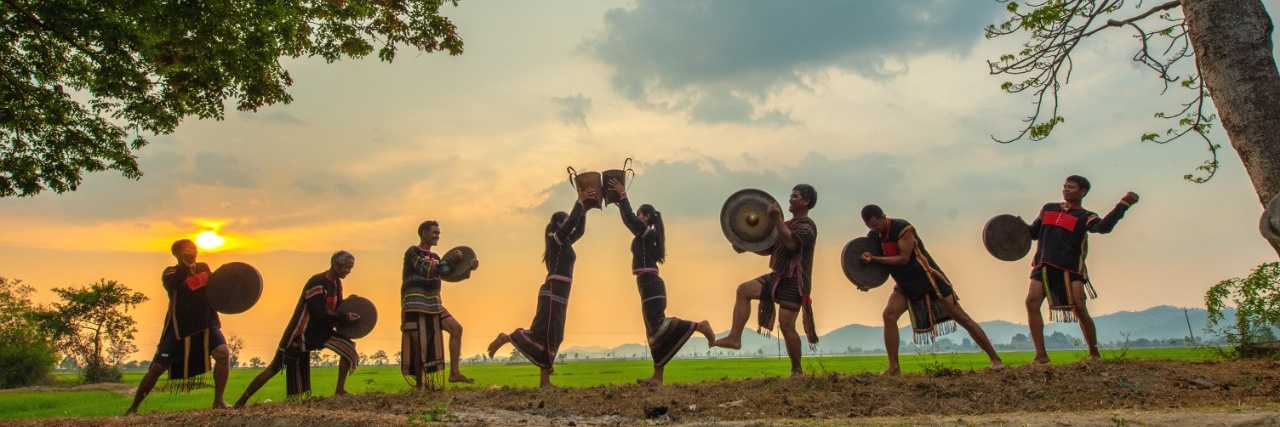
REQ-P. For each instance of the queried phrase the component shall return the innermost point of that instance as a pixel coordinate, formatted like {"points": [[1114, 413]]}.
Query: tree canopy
{"points": [[84, 83]]}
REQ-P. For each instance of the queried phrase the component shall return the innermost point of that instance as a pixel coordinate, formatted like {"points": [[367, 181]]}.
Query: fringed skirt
{"points": [[541, 341], [929, 319], [188, 358], [666, 334], [297, 365], [422, 352], [1057, 287]]}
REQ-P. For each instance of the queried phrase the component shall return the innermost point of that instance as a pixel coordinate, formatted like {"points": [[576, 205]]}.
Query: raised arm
{"points": [[570, 230], [629, 218], [1108, 223]]}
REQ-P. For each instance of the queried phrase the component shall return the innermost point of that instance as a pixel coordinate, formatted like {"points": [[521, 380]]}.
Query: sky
{"points": [[888, 103]]}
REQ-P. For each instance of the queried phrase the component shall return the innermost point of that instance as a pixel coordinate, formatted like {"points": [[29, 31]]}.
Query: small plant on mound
{"points": [[1257, 301], [439, 413]]}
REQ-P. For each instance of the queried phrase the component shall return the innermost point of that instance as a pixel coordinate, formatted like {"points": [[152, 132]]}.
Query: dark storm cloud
{"points": [[719, 59]]}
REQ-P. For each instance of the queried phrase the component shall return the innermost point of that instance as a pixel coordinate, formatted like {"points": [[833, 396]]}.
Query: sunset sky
{"points": [[886, 102]]}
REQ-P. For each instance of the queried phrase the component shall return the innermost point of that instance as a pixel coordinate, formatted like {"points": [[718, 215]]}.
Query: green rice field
{"points": [[58, 402]]}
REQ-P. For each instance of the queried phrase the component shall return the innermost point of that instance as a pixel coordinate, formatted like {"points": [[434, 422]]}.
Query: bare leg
{"points": [[344, 368], [655, 380], [704, 327], [787, 322], [545, 378], [454, 328], [979, 336], [747, 291], [256, 384], [144, 387], [892, 312], [501, 340], [221, 369], [1086, 321], [1035, 321]]}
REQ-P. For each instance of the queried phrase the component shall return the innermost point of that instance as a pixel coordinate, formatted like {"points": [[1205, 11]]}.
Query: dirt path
{"points": [[1111, 393]]}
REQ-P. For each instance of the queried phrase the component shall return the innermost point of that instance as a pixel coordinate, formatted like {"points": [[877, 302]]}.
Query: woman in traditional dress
{"points": [[648, 249], [541, 341]]}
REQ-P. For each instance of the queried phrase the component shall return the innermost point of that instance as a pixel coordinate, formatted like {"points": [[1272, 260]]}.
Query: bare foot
{"points": [[797, 374], [239, 405], [996, 365], [501, 340], [651, 382], [893, 370], [705, 328], [729, 342], [341, 393], [131, 412], [1040, 361], [459, 378], [547, 385], [221, 405]]}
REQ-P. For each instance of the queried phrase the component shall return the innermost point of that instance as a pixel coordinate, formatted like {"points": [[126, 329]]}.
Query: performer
{"points": [[312, 329], [922, 289], [648, 249], [192, 331], [1058, 269], [424, 317], [788, 283], [542, 340]]}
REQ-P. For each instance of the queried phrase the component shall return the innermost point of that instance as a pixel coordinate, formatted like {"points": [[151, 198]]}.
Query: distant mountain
{"points": [[1160, 323]]}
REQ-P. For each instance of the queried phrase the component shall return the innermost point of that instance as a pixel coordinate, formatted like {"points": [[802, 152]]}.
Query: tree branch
{"points": [[1114, 23]]}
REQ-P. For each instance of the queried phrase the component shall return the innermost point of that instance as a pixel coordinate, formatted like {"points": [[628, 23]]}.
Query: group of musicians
{"points": [[191, 335]]}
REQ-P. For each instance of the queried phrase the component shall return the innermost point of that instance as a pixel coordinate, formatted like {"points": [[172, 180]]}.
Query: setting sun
{"points": [[209, 240]]}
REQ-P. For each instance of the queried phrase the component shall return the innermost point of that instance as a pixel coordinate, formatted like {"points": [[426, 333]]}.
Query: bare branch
{"points": [[1113, 23]]}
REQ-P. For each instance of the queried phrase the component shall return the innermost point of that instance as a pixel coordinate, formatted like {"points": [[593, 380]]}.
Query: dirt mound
{"points": [[1086, 393]]}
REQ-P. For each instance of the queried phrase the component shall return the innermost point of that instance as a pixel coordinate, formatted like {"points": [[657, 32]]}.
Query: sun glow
{"points": [[209, 240]]}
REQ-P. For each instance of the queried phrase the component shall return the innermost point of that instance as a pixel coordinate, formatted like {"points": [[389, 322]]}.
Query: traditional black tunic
{"points": [[191, 326], [666, 334], [541, 341], [1063, 244], [920, 280], [790, 281], [422, 310], [311, 328]]}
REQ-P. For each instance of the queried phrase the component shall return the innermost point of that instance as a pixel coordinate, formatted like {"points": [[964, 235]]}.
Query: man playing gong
{"points": [[192, 331], [921, 288], [424, 318], [1058, 269], [788, 284], [312, 328]]}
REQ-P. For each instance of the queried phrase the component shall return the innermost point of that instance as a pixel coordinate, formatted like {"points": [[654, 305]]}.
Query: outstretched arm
{"points": [[1108, 223]]}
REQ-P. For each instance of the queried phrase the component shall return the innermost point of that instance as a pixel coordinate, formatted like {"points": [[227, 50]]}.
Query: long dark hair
{"points": [[552, 226], [655, 220]]}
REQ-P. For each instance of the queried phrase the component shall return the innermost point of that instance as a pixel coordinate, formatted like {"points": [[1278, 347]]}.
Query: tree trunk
{"points": [[1232, 43]]}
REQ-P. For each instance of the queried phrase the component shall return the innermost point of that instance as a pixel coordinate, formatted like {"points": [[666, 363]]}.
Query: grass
{"points": [[57, 403]]}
